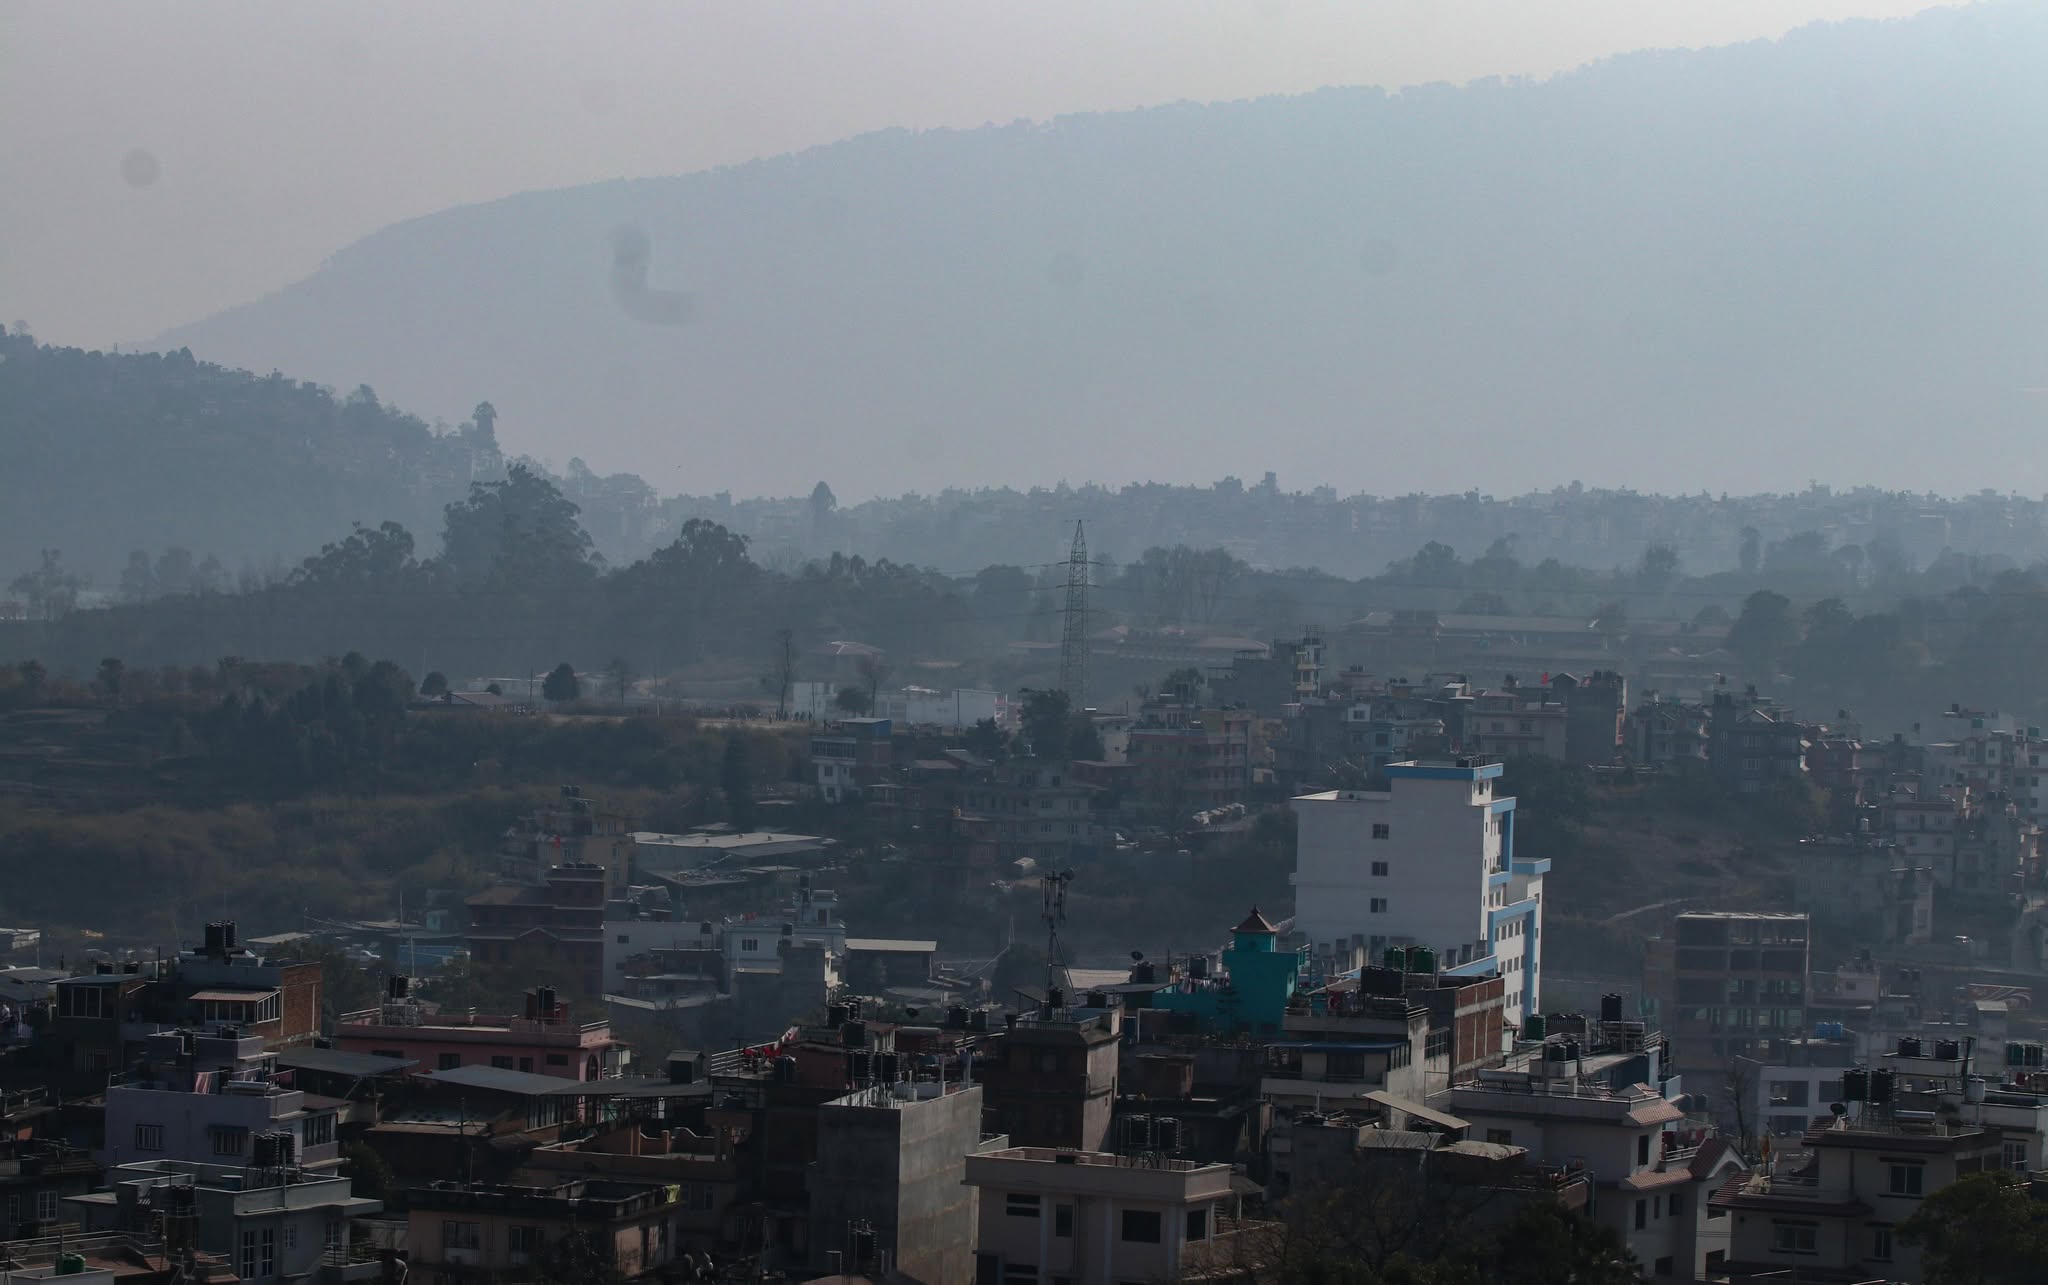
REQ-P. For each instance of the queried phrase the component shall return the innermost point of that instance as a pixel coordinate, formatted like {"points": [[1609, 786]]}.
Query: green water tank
{"points": [[70, 1264], [1422, 960], [1396, 958], [1535, 1028]]}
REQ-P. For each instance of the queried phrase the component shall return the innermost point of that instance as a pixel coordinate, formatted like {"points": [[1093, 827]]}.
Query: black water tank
{"points": [[1856, 1085], [1948, 1050], [1166, 1134], [785, 1070], [835, 1015], [1880, 1087], [1610, 1007], [956, 1018], [888, 1068], [977, 1020], [858, 1066], [1909, 1046], [854, 1034], [1198, 967]]}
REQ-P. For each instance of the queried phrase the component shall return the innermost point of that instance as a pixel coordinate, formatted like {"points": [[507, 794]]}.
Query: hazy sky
{"points": [[159, 162]]}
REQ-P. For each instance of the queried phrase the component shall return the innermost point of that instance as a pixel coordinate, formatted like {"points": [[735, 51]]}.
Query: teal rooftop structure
{"points": [[1257, 979]]}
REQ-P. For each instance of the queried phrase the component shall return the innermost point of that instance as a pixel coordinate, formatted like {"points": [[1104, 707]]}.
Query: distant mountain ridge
{"points": [[1811, 257]]}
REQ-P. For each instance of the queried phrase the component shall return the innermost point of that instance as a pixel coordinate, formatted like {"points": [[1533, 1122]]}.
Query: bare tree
{"points": [[781, 675]]}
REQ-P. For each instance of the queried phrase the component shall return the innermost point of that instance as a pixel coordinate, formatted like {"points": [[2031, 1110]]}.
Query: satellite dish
{"points": [[910, 1013], [1137, 954], [1838, 1108]]}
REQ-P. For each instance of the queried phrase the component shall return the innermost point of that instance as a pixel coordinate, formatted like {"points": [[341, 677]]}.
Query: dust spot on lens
{"points": [[1065, 270], [140, 168], [1379, 256], [632, 255]]}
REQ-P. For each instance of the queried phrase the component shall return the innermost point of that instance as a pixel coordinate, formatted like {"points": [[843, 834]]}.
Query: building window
{"points": [[1643, 1149], [46, 1206], [750, 945], [247, 1267], [291, 1238], [526, 1065], [150, 1137], [1501, 1137], [1906, 1180], [1381, 830], [449, 1061], [1379, 869], [1063, 1220], [228, 1141], [1020, 1205], [2013, 1154], [1379, 905], [1198, 1224], [1788, 1093], [1881, 1244], [501, 1061], [558, 1059], [456, 1235], [1141, 1226], [1792, 1238], [387, 1053], [625, 939], [1642, 1214], [1674, 1203]]}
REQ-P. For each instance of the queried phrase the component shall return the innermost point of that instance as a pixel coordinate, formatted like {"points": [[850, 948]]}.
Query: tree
{"points": [[1044, 718], [854, 700], [1658, 568], [138, 579], [822, 504], [434, 685], [370, 1178], [1982, 1229], [109, 676], [521, 533], [50, 592], [781, 675], [874, 671], [985, 739], [561, 684], [1765, 632], [736, 782], [619, 676], [1750, 555]]}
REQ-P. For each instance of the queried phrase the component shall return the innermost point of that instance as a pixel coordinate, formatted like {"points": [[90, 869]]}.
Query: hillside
{"points": [[110, 453], [1821, 253]]}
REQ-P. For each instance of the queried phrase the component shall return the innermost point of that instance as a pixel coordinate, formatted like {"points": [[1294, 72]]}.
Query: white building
{"points": [[1428, 861], [960, 707]]}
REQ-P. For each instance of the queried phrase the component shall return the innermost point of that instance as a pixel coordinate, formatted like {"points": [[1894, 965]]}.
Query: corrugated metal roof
{"points": [[342, 1062]]}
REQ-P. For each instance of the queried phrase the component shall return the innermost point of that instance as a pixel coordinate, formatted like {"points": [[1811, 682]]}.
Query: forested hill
{"points": [[107, 454], [1816, 257]]}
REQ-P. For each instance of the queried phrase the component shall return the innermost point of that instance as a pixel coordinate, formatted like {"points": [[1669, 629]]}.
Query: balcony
{"points": [[358, 1260]]}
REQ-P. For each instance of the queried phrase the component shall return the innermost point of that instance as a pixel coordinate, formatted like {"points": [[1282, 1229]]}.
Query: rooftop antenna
{"points": [[1053, 892], [1074, 636]]}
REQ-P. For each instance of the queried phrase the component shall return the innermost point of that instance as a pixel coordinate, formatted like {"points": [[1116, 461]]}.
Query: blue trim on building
{"points": [[1498, 877], [1443, 772], [1540, 866], [1504, 805]]}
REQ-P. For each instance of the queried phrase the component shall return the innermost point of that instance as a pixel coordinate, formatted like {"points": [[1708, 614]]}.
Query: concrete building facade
{"points": [[1428, 861]]}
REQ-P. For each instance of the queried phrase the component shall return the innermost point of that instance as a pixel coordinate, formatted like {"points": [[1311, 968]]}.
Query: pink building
{"points": [[542, 1041]]}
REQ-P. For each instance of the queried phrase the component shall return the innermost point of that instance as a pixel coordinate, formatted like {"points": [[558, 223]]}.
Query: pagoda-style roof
{"points": [[1256, 923]]}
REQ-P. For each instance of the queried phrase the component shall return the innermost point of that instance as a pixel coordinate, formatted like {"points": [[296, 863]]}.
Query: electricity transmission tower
{"points": [[1074, 638]]}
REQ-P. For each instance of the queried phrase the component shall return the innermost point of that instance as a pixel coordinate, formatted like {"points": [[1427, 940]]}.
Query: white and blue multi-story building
{"points": [[1429, 861]]}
